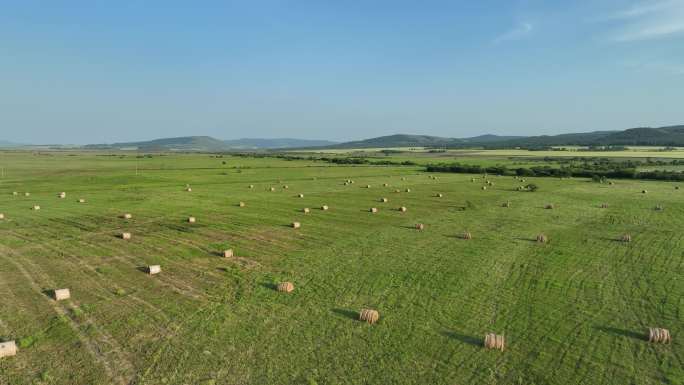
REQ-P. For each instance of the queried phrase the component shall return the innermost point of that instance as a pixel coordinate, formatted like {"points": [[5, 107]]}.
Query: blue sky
{"points": [[105, 71]]}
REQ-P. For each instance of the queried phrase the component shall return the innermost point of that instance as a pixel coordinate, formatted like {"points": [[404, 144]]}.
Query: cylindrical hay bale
{"points": [[125, 235], [241, 204], [368, 186], [611, 183], [549, 206], [62, 195], [153, 269], [644, 191], [484, 187], [402, 209], [659, 336], [127, 216], [369, 315], [306, 210], [228, 253], [542, 238], [61, 294], [626, 238], [251, 186], [506, 204], [2, 216], [604, 205], [472, 179], [36, 207], [659, 208], [324, 207], [81, 200], [420, 226], [285, 287], [192, 220], [8, 349], [385, 185], [296, 225], [408, 190], [300, 195], [26, 194], [522, 180], [494, 341], [189, 189], [286, 187], [384, 200], [15, 193], [467, 235], [373, 210], [403, 178], [439, 195], [271, 189], [397, 191]]}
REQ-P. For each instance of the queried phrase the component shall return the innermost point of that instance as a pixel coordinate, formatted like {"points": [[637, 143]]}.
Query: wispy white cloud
{"points": [[516, 33], [647, 20]]}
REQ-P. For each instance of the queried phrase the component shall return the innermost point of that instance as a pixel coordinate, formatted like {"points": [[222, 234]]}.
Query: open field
{"points": [[573, 311]]}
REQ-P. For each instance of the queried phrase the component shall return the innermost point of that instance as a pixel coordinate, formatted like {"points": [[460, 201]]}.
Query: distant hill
{"points": [[207, 143], [7, 144], [641, 136], [399, 140], [248, 143]]}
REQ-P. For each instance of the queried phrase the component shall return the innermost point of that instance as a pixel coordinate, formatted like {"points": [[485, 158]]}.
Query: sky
{"points": [[109, 71]]}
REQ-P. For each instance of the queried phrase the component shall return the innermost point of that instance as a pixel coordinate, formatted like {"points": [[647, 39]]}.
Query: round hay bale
{"points": [[369, 315], [15, 193], [604, 205], [397, 191], [324, 207], [368, 186], [189, 189], [36, 207], [285, 287], [402, 209], [61, 294], [659, 336], [420, 226], [408, 190], [549, 206], [542, 238], [439, 195], [153, 269], [241, 204], [384, 200], [484, 187], [62, 195], [271, 189], [611, 183], [2, 216], [26, 194], [494, 341], [306, 210], [467, 235], [506, 204], [81, 200], [300, 196], [403, 178], [296, 225], [125, 235], [373, 210], [385, 185], [626, 238], [522, 180], [472, 179], [228, 253], [8, 349], [286, 187], [644, 191], [659, 208], [251, 186], [192, 220], [127, 216]]}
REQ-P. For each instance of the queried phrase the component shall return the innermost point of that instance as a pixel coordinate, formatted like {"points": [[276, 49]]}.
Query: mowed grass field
{"points": [[573, 311]]}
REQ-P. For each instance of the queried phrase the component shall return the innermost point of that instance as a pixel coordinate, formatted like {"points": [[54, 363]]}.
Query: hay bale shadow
{"points": [[621, 332], [269, 285], [143, 269], [346, 313], [526, 239], [50, 293], [470, 340], [607, 239]]}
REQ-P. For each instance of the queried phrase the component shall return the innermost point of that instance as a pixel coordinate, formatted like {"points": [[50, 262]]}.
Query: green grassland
{"points": [[574, 311]]}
